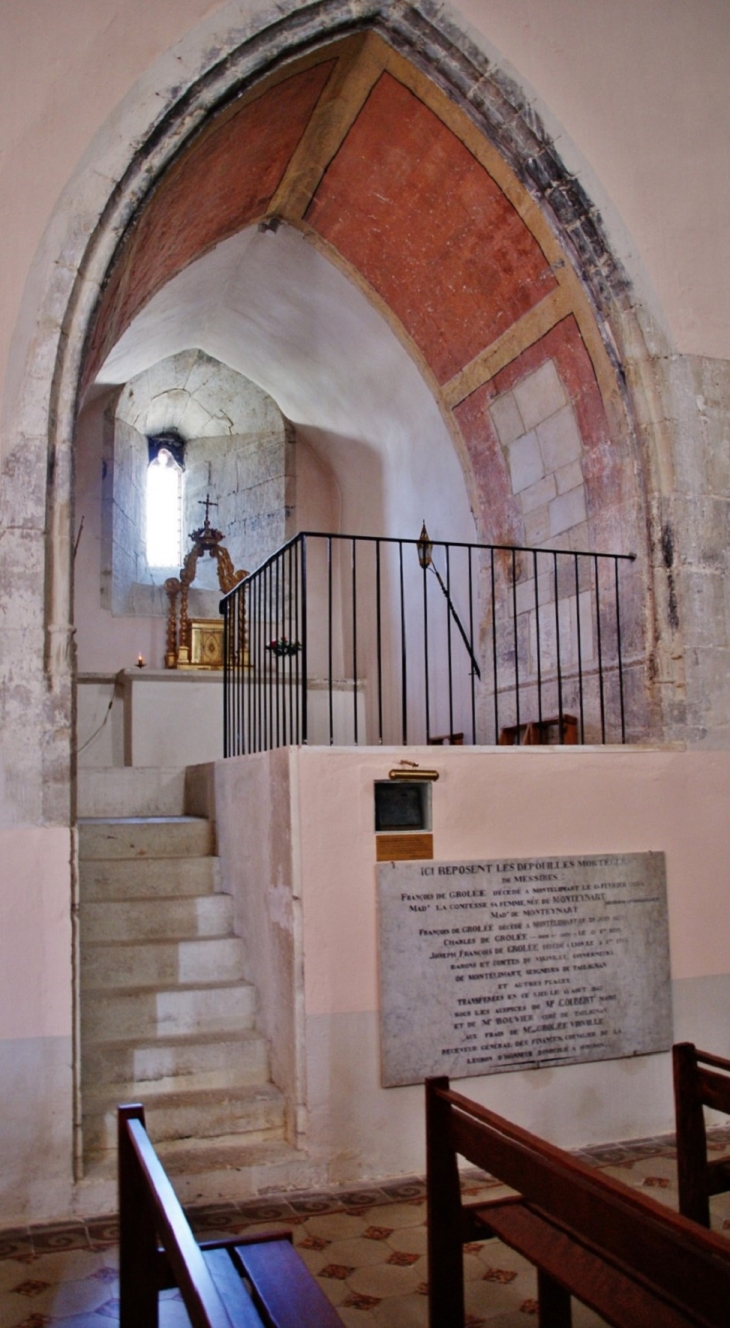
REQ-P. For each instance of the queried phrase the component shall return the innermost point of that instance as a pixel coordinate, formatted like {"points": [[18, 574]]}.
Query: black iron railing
{"points": [[340, 639]]}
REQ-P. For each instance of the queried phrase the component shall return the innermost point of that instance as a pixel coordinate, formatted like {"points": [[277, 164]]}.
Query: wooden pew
{"points": [[699, 1079], [634, 1262], [157, 1250]]}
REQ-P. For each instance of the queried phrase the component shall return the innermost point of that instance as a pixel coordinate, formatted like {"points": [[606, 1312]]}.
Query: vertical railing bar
{"points": [[329, 643], [620, 656], [305, 644], [297, 630], [260, 663], [380, 641], [403, 651], [240, 653], [272, 657], [231, 721], [230, 624], [557, 649], [537, 641], [576, 558], [275, 680], [426, 677], [265, 678], [448, 643], [264, 663], [280, 665], [292, 639], [275, 686], [471, 643], [600, 653], [226, 672], [293, 635], [517, 649], [246, 692], [243, 638], [253, 649], [354, 638], [285, 632], [230, 647], [494, 652], [274, 595]]}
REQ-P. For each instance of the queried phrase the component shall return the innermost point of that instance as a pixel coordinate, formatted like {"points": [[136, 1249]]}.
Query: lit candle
{"points": [[140, 662]]}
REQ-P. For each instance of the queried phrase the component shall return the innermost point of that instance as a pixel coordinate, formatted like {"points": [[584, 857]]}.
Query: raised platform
{"points": [[168, 719]]}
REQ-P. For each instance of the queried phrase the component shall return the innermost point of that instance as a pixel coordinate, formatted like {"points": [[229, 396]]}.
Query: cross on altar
{"points": [[207, 504]]}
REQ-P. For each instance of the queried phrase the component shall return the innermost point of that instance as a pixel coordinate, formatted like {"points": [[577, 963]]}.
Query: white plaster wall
{"points": [[637, 95], [487, 803], [104, 642], [638, 99], [251, 802], [36, 1096], [274, 309]]}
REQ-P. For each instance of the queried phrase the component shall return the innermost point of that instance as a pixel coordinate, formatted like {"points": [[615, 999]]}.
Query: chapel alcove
{"points": [[424, 328], [430, 341]]}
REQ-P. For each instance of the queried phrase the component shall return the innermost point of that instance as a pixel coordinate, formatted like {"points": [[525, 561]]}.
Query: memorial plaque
{"points": [[506, 965]]}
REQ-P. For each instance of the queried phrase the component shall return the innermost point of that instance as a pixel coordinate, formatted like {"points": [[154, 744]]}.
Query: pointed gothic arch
{"points": [[332, 73]]}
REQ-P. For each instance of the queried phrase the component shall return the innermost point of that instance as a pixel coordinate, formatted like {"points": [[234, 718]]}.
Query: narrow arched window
{"points": [[163, 540]]}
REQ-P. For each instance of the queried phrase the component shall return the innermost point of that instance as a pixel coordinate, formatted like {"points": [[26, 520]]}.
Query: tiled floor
{"points": [[366, 1247]]}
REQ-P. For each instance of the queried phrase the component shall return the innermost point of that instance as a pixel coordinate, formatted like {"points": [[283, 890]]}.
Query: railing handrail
{"points": [[436, 543]]}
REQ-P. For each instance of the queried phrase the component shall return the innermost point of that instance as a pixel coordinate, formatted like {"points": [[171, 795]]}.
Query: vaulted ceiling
{"points": [[420, 218]]}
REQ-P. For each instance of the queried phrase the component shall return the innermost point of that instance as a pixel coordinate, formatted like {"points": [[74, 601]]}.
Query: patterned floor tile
{"points": [[103, 1232], [358, 1253], [411, 1240], [269, 1210], [317, 1203], [414, 1188], [15, 1242], [337, 1226], [396, 1215], [365, 1244], [61, 1236], [363, 1198], [386, 1279]]}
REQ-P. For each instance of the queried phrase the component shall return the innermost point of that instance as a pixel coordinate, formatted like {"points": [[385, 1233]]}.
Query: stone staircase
{"points": [[166, 1015]]}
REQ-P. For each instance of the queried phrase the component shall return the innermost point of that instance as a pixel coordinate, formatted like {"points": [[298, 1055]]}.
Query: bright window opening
{"points": [[164, 510]]}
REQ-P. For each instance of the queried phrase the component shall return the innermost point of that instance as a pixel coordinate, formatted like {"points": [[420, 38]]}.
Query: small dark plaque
{"points": [[401, 805]]}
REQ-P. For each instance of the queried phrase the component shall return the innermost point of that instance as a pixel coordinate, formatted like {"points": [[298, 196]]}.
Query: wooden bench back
{"points": [[150, 1210], [700, 1079], [688, 1267]]}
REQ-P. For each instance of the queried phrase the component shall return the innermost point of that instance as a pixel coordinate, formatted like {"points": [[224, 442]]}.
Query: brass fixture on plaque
{"points": [[412, 770], [197, 643]]}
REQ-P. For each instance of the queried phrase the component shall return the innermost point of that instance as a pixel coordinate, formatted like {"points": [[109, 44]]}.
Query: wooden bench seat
{"points": [[700, 1079], [256, 1281], [630, 1259]]}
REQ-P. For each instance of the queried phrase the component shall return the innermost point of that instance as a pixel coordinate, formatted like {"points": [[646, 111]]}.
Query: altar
{"points": [[171, 718]]}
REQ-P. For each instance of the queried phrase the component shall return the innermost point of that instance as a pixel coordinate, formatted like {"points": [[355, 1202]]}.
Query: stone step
{"points": [[130, 1069], [130, 791], [146, 877], [257, 1112], [159, 963], [153, 919], [207, 1171], [221, 1008], [145, 837]]}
